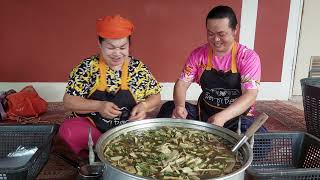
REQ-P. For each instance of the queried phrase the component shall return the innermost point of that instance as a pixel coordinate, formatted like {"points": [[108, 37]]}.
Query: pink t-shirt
{"points": [[248, 65]]}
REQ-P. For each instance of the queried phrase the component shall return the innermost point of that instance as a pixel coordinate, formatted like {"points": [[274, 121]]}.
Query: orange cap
{"points": [[114, 27]]}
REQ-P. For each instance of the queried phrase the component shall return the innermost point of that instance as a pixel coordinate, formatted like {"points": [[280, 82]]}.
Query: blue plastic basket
{"points": [[286, 156], [12, 136]]}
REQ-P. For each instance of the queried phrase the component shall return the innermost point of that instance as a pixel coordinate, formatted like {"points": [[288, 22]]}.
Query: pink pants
{"points": [[74, 132]]}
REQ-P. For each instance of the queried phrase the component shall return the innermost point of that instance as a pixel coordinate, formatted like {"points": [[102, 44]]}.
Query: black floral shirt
{"points": [[84, 79]]}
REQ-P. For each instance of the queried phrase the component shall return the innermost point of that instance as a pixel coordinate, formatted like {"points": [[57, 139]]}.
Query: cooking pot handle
{"points": [[251, 140], [239, 125], [260, 120]]}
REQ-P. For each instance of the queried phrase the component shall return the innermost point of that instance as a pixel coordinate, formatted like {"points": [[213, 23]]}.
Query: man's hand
{"points": [[216, 120], [109, 110], [179, 112], [139, 112], [245, 101]]}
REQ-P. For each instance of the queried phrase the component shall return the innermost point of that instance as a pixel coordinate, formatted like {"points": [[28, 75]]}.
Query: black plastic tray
{"points": [[28, 136]]}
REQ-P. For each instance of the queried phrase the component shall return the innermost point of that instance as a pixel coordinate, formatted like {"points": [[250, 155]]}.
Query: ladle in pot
{"points": [[259, 121], [85, 172], [90, 147]]}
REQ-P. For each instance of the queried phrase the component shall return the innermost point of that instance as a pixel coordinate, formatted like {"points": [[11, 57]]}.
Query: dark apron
{"points": [[123, 98], [219, 89]]}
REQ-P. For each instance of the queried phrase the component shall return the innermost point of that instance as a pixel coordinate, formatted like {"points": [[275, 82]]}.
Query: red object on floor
{"points": [[26, 103]]}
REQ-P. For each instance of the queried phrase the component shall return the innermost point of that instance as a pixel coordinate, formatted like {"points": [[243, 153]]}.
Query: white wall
{"points": [[309, 43]]}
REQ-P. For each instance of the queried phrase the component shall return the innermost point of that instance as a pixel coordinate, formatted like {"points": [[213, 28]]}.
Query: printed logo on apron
{"points": [[220, 96]]}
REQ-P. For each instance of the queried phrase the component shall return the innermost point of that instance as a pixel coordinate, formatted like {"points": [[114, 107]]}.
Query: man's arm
{"points": [[179, 97], [244, 102]]}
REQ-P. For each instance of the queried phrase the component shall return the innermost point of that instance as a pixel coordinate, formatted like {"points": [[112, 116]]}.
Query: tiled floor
{"points": [[282, 116], [295, 101]]}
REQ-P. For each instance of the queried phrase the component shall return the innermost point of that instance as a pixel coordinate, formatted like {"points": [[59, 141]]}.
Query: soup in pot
{"points": [[172, 153]]}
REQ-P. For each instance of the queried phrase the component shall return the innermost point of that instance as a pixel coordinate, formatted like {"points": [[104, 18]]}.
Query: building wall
{"points": [[42, 40], [308, 43], [271, 31]]}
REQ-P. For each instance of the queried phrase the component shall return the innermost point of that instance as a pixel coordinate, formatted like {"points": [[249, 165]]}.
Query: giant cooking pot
{"points": [[113, 173]]}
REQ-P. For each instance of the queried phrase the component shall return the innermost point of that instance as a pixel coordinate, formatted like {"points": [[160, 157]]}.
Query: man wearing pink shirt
{"points": [[228, 73]]}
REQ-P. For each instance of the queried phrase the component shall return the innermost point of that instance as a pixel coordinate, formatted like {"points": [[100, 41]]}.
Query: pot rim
{"points": [[246, 150]]}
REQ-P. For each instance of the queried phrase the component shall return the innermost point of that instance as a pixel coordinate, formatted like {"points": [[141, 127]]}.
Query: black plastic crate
{"points": [[12, 136], [311, 104], [290, 155]]}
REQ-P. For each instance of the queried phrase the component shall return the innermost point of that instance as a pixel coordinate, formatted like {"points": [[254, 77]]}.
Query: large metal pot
{"points": [[112, 173]]}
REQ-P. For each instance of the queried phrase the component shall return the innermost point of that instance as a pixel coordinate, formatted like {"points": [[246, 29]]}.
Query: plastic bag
{"points": [[26, 103], [18, 157]]}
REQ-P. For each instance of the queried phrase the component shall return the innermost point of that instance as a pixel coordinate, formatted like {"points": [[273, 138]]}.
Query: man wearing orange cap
{"points": [[108, 89]]}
